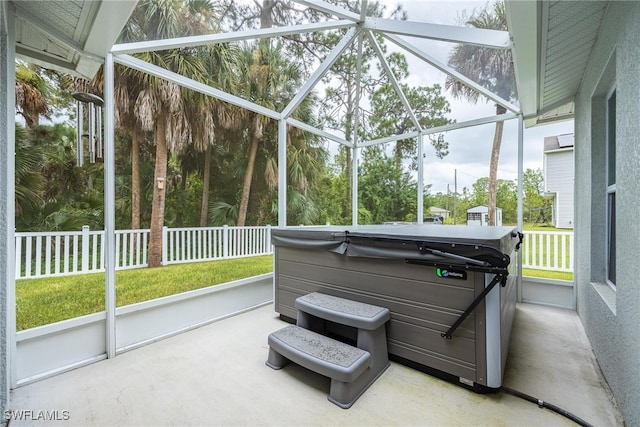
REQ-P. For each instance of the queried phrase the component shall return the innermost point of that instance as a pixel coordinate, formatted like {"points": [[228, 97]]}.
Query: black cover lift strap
{"points": [[496, 279]]}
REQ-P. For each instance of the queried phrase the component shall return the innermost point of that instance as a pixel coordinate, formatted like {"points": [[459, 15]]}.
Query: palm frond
{"points": [[146, 109], [490, 68]]}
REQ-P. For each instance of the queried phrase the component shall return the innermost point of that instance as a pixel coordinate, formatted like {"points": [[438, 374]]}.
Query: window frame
{"points": [[610, 187]]}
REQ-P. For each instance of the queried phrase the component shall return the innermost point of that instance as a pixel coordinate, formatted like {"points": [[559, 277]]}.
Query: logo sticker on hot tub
{"points": [[451, 274]]}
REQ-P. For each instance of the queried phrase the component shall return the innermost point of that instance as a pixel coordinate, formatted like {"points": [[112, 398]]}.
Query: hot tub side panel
{"points": [[422, 305], [509, 298], [500, 306]]}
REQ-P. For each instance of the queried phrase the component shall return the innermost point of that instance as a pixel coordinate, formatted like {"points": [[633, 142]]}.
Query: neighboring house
{"points": [[581, 61], [439, 212], [558, 178], [479, 215]]}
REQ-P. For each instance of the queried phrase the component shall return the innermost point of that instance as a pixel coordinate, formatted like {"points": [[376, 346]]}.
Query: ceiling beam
{"points": [[451, 72], [363, 10], [319, 132], [111, 17], [44, 60], [469, 123], [391, 138], [188, 83], [330, 9], [523, 20], [393, 81], [320, 72], [192, 41], [448, 33]]}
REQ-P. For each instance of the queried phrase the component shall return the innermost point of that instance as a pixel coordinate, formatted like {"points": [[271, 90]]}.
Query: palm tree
{"points": [[306, 159], [491, 68], [268, 80], [32, 95], [160, 106], [214, 115], [29, 180]]}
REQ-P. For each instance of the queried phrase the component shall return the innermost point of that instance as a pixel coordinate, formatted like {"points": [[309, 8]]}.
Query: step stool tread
{"points": [[345, 311], [320, 353]]}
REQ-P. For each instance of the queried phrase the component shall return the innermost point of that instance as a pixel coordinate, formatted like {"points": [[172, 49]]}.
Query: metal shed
{"points": [[479, 215]]}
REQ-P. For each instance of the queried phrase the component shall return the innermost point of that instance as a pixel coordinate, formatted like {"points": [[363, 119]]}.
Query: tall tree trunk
{"points": [[206, 177], [248, 176], [159, 189], [266, 13], [135, 180], [397, 156], [31, 120], [493, 167]]}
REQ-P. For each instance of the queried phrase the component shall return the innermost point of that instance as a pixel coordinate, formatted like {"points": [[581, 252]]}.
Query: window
{"points": [[611, 187], [474, 216]]}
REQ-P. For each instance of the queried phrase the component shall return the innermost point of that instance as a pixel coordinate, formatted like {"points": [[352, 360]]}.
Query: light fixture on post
{"points": [[94, 126]]}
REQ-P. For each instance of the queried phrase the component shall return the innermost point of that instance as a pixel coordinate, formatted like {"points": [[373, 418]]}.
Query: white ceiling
{"points": [[72, 36], [552, 42]]}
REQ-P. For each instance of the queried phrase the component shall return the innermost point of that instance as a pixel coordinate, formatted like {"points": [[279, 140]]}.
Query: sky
{"points": [[469, 148]]}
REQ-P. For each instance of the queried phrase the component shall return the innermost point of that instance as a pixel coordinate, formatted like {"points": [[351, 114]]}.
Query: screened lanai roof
{"points": [[76, 35], [359, 28], [73, 36]]}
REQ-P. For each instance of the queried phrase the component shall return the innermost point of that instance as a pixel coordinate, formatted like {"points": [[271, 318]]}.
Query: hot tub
{"points": [[451, 290]]}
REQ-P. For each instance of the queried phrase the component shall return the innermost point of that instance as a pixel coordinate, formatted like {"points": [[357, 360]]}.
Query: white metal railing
{"points": [[45, 254], [548, 250]]}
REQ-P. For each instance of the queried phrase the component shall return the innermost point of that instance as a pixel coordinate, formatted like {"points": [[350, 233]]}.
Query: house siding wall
{"points": [[559, 178], [611, 318], [7, 130]]}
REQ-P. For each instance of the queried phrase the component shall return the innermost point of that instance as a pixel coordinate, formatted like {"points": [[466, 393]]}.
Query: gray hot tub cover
{"points": [[484, 246]]}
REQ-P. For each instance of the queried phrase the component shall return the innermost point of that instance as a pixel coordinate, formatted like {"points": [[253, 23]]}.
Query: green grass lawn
{"points": [[43, 301], [527, 226], [546, 274]]}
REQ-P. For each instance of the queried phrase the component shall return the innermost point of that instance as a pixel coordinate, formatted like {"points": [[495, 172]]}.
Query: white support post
{"points": [[420, 155], [267, 240], [355, 150], [354, 186], [85, 248], [282, 173], [8, 367], [520, 199], [109, 206]]}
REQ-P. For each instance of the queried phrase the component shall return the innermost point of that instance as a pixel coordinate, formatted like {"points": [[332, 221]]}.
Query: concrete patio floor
{"points": [[215, 375]]}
